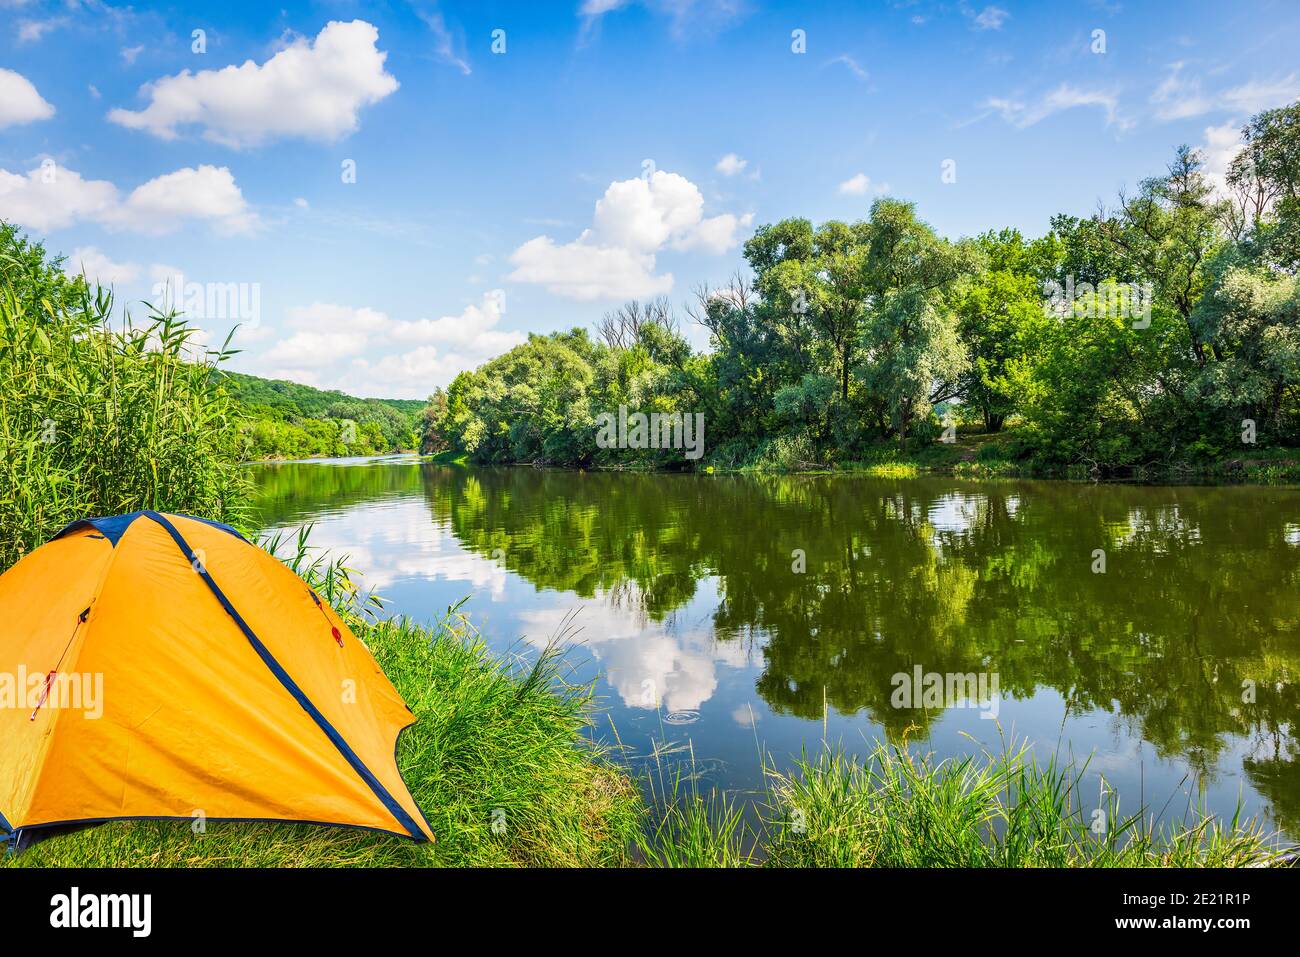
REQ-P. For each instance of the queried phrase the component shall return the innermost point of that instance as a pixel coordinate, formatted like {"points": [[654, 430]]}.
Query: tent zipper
{"points": [[50, 676], [321, 606]]}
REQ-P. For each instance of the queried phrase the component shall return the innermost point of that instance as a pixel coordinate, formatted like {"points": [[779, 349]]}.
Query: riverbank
{"points": [[1000, 455], [1004, 455]]}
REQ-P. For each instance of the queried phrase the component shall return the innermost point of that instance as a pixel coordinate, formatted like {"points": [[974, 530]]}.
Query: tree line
{"points": [[1164, 328], [289, 420]]}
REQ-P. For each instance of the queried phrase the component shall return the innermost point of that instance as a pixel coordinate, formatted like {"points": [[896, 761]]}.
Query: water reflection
{"points": [[779, 602]]}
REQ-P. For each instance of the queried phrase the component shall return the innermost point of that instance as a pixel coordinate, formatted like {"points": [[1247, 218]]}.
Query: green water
{"points": [[737, 613]]}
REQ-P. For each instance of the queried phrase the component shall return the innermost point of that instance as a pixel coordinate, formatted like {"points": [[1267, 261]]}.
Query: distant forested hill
{"points": [[290, 420]]}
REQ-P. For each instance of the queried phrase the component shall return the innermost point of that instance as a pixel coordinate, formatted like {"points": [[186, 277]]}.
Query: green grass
{"points": [[898, 809]]}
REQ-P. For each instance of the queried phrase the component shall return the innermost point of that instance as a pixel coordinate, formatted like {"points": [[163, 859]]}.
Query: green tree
{"points": [[914, 355]]}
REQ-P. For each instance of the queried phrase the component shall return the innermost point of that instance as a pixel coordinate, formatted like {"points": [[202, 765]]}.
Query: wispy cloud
{"points": [[445, 44], [1022, 114], [989, 18], [686, 18], [30, 31], [850, 64], [1181, 95]]}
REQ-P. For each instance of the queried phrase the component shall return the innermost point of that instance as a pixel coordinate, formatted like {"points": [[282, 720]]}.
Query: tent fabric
{"points": [[229, 690]]}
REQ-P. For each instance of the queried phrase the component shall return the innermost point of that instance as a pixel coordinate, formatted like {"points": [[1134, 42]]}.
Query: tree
{"points": [[1265, 177], [623, 327], [433, 422], [913, 354], [993, 307], [1252, 315], [1168, 233], [817, 277]]}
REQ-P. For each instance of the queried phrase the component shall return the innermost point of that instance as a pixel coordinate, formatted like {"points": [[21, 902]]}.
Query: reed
{"points": [[100, 414]]}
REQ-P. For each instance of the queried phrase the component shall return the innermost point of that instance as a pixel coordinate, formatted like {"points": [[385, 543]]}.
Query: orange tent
{"points": [[161, 666]]}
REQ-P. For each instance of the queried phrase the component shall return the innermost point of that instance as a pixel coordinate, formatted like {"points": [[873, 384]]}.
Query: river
{"points": [[1152, 630]]}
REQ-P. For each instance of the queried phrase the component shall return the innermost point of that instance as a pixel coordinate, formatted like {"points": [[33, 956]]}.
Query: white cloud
{"points": [[1064, 97], [97, 267], [444, 43], [1255, 96], [353, 341], [578, 270], [860, 185], [208, 193], [716, 234], [990, 18], [1180, 96], [731, 164], [687, 18], [1221, 146], [850, 64], [130, 54], [19, 101], [616, 257], [309, 89], [30, 31], [51, 197], [473, 329]]}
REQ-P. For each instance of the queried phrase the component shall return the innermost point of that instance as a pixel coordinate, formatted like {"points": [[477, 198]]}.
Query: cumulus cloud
{"points": [[1221, 146], [207, 193], [634, 221], [860, 185], [376, 354], [731, 165], [474, 328], [97, 267], [19, 101], [51, 197], [310, 89], [326, 332]]}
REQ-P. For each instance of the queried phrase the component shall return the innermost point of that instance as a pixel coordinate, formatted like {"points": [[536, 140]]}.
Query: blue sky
{"points": [[614, 149]]}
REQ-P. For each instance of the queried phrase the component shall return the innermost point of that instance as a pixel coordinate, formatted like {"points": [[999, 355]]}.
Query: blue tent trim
{"points": [[113, 527], [291, 686], [88, 821]]}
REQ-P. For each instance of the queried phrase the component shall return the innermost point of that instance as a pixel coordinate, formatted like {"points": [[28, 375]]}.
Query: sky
{"points": [[380, 195]]}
